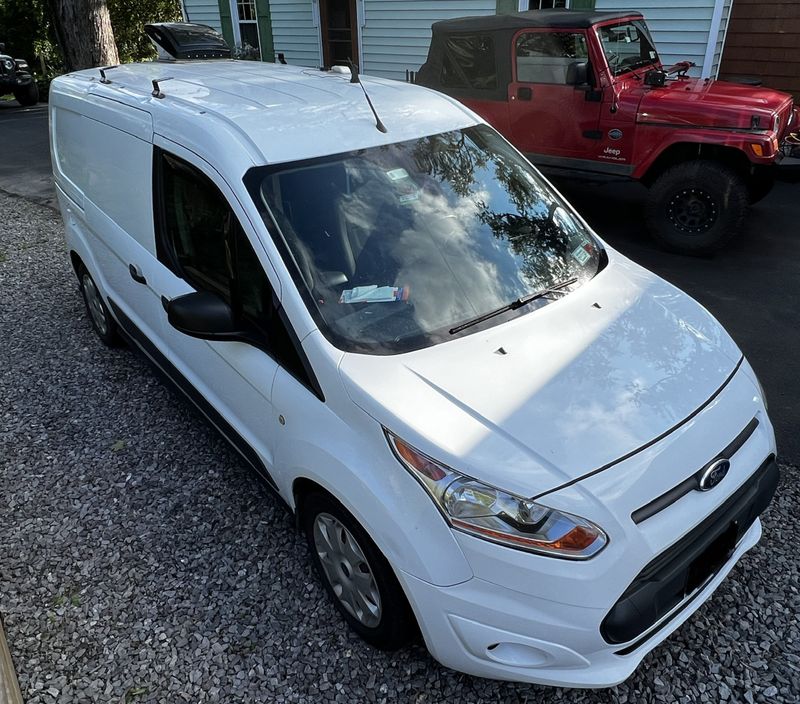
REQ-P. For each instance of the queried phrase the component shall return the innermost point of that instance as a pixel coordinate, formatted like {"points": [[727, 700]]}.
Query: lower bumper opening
{"points": [[681, 571]]}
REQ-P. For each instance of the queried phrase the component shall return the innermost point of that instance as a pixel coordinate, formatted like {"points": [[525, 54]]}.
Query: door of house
{"points": [[339, 30]]}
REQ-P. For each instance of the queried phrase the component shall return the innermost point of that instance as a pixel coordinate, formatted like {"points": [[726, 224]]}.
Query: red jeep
{"points": [[586, 92]]}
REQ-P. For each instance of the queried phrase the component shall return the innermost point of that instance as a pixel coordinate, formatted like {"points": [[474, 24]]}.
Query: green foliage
{"points": [[129, 16], [27, 29]]}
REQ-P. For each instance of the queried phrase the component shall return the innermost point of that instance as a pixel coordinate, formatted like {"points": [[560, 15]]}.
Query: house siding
{"points": [[680, 28], [203, 12], [396, 33], [295, 31]]}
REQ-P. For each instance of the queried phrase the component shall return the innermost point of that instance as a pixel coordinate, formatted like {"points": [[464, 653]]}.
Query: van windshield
{"points": [[393, 247]]}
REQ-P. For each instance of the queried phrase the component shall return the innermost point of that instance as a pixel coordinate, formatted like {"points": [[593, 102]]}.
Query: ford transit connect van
{"points": [[490, 425]]}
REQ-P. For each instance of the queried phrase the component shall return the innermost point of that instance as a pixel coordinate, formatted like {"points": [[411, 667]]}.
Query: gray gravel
{"points": [[140, 561]]}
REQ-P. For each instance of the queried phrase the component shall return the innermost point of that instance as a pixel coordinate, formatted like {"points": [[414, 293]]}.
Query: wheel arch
{"points": [[681, 152], [77, 263]]}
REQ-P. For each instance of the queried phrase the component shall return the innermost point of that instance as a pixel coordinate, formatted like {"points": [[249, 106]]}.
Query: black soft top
{"points": [[477, 50], [561, 19]]}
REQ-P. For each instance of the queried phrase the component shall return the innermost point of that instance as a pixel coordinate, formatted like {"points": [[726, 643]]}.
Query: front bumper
{"points": [[538, 619], [490, 631]]}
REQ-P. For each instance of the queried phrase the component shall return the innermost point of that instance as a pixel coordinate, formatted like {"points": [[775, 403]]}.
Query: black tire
{"points": [[100, 317], [759, 187], [27, 95], [396, 625], [696, 207]]}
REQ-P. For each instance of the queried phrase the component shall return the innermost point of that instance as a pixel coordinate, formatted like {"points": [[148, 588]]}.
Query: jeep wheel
{"points": [[759, 187], [696, 207], [27, 95]]}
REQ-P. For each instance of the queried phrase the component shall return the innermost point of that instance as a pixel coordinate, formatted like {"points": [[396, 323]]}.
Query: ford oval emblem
{"points": [[615, 134], [714, 474]]}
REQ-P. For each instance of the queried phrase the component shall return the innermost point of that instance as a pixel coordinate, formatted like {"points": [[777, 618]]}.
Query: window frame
{"points": [[547, 30], [301, 371]]}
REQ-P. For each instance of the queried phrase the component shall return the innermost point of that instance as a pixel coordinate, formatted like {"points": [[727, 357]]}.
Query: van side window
{"points": [[543, 57], [200, 240], [196, 222]]}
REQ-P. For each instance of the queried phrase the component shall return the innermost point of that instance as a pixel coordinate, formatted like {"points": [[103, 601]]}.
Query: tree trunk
{"points": [[83, 28]]}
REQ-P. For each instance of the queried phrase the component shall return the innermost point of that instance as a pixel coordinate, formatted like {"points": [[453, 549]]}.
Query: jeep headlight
{"points": [[492, 514], [9, 64]]}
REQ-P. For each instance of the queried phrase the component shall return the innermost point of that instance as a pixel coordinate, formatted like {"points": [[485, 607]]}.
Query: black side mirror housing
{"points": [[578, 73], [655, 78], [204, 315], [2, 46]]}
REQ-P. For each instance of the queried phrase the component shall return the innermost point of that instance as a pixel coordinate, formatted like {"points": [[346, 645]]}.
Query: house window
{"points": [[541, 4], [246, 28]]}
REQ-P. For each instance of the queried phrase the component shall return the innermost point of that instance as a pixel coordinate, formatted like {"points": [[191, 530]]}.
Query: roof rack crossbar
{"points": [[157, 89], [103, 70]]}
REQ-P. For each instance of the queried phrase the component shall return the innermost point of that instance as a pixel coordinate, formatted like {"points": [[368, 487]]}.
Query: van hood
{"points": [[698, 103], [558, 393]]}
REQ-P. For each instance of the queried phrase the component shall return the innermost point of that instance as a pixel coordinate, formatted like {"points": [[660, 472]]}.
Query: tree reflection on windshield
{"points": [[399, 243]]}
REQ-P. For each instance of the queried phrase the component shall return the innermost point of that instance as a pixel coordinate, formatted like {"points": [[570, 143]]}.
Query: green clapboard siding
{"points": [[396, 33], [203, 12], [680, 28], [505, 7], [582, 4]]}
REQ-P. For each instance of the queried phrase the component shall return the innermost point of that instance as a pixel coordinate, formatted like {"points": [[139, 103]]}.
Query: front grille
{"points": [[679, 571]]}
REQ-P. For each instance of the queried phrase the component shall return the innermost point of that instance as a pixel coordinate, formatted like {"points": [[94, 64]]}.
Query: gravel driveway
{"points": [[141, 561]]}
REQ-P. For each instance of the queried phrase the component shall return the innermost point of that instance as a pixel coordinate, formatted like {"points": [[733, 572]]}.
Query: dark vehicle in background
{"points": [[15, 78], [585, 93]]}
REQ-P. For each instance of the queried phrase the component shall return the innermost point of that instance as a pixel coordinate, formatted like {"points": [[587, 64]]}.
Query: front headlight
{"points": [[8, 64], [496, 515]]}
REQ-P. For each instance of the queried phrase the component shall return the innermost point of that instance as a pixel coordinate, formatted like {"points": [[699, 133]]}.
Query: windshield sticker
{"points": [[397, 174], [374, 294], [580, 255]]}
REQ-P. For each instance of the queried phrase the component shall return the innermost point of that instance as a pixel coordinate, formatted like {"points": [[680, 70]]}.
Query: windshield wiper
{"points": [[518, 303]]}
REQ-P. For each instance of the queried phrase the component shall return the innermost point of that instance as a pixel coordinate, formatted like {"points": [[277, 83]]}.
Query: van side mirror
{"points": [[578, 73], [204, 315]]}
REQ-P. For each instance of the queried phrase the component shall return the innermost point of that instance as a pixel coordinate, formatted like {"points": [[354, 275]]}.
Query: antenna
{"points": [[354, 78]]}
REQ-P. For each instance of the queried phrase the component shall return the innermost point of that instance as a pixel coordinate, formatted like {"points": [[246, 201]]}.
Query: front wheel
{"points": [[696, 207], [27, 95], [355, 574]]}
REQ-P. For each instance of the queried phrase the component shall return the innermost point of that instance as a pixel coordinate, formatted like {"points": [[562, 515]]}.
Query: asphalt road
{"points": [[753, 286]]}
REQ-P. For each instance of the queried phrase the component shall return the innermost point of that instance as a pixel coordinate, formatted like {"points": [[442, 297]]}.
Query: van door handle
{"points": [[136, 275]]}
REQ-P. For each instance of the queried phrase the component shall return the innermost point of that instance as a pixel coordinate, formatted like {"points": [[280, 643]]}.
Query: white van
{"points": [[490, 425]]}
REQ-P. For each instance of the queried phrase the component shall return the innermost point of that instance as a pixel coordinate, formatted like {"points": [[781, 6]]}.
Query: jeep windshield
{"points": [[627, 46], [393, 247]]}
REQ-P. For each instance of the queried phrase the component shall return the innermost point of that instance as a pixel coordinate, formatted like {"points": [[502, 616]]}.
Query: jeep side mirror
{"points": [[204, 315], [2, 46], [578, 73]]}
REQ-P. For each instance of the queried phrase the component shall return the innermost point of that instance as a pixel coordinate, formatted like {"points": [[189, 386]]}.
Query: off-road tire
{"points": [[106, 328], [397, 624], [759, 187], [27, 95], [696, 207]]}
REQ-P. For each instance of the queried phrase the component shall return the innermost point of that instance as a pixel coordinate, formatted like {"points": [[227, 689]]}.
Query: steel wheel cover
{"points": [[347, 570], [95, 304]]}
